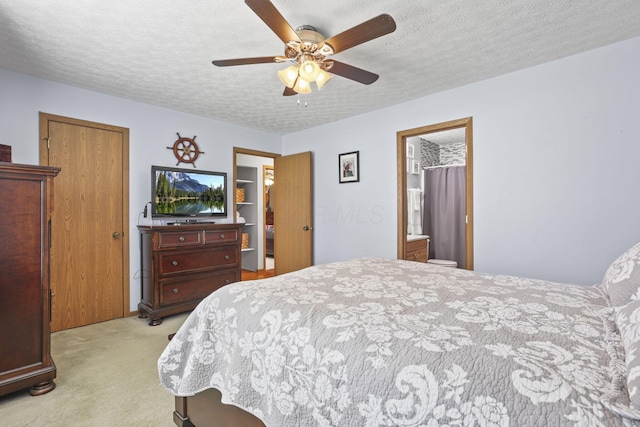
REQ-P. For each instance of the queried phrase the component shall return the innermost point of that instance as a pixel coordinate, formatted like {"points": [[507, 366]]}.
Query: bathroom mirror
{"points": [[427, 156]]}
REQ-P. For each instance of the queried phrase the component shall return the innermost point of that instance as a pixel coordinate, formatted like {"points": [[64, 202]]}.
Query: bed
{"points": [[382, 342]]}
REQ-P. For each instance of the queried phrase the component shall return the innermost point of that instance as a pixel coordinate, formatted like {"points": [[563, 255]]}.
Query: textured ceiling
{"points": [[446, 137], [159, 51]]}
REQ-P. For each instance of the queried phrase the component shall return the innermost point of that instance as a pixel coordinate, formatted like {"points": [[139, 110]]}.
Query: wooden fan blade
{"points": [[368, 30], [243, 61], [289, 91], [353, 73], [274, 20]]}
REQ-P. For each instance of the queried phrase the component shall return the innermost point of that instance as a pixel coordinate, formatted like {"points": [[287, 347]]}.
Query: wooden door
{"points": [[90, 242], [293, 207]]}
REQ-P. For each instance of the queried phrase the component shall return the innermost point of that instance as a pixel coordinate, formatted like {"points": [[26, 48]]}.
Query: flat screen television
{"points": [[187, 193]]}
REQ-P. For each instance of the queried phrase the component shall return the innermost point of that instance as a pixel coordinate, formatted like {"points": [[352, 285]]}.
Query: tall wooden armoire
{"points": [[26, 203]]}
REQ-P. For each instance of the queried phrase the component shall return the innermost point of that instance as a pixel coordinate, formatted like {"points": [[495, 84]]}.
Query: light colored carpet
{"points": [[107, 376]]}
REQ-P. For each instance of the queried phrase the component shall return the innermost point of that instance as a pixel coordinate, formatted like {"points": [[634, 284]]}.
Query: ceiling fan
{"points": [[308, 51]]}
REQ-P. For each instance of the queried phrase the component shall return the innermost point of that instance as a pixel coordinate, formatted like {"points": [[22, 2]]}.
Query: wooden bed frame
{"points": [[205, 409]]}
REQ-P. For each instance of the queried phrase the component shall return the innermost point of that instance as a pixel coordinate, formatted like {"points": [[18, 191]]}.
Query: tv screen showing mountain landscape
{"points": [[188, 193]]}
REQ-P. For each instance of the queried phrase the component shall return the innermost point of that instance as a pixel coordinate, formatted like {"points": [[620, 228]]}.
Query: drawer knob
{"points": [[227, 281], [175, 290], [222, 236], [226, 257], [174, 263], [181, 238]]}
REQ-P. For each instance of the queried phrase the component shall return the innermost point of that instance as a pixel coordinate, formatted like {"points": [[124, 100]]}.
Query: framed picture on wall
{"points": [[415, 167], [349, 167], [410, 150]]}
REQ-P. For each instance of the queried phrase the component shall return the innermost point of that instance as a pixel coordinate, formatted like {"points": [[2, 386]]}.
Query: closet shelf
{"points": [[247, 179]]}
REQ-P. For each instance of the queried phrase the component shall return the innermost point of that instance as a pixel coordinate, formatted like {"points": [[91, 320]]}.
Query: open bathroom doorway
{"points": [[410, 167]]}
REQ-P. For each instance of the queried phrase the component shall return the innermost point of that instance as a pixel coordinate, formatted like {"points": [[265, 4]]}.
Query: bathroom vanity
{"points": [[417, 247]]}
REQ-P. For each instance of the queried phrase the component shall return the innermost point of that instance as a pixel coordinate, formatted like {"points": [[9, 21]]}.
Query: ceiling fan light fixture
{"points": [[323, 78], [288, 76], [302, 86], [309, 70], [308, 50]]}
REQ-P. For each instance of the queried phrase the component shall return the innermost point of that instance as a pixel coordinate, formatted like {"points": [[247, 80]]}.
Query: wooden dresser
{"points": [[417, 248], [26, 203], [182, 264]]}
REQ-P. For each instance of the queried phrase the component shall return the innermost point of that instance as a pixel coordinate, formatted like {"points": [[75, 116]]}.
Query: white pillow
{"points": [[628, 321], [622, 279]]}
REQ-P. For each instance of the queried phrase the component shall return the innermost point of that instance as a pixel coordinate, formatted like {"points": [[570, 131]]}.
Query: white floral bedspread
{"points": [[382, 342]]}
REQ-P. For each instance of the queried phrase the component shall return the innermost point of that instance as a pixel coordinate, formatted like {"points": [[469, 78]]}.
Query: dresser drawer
{"points": [[221, 236], [185, 263], [195, 261], [195, 288], [179, 238]]}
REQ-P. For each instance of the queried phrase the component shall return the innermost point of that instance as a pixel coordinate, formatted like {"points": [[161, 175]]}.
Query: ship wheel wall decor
{"points": [[186, 150]]}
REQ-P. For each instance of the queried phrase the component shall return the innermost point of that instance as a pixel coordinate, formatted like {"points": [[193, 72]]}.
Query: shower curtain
{"points": [[444, 212]]}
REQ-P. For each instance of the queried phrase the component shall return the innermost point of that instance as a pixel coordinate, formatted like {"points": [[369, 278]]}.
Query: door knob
{"points": [[116, 234], [306, 228]]}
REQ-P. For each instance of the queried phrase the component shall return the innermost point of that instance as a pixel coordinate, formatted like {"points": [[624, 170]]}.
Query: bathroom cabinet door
{"points": [[418, 250]]}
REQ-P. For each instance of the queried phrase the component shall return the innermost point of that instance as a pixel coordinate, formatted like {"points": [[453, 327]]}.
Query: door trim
{"points": [[265, 168], [402, 181], [45, 118]]}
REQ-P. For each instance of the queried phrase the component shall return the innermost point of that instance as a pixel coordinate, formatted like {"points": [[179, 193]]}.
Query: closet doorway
{"points": [[249, 203], [409, 160], [292, 202]]}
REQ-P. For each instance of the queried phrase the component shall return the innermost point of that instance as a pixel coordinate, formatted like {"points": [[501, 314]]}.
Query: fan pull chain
{"points": [[305, 100]]}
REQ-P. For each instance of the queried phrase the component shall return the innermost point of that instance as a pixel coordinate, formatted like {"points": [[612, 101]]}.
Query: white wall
{"points": [[152, 129], [556, 168], [555, 161]]}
